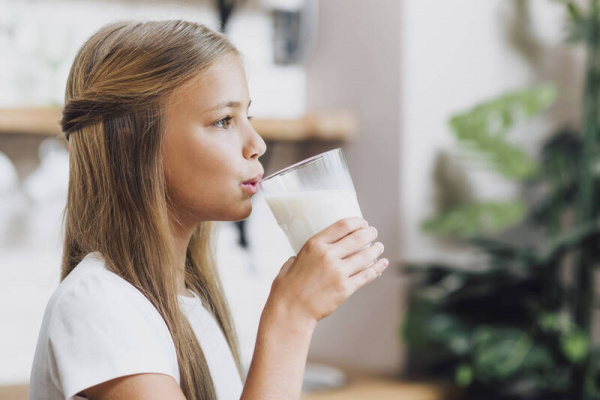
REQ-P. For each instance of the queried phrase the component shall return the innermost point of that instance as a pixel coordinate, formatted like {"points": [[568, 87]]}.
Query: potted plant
{"points": [[515, 322]]}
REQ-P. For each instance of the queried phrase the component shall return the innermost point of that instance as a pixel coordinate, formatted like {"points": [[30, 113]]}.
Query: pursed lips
{"points": [[254, 180], [251, 186]]}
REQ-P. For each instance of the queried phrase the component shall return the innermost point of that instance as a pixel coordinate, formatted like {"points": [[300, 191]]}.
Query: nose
{"points": [[255, 146]]}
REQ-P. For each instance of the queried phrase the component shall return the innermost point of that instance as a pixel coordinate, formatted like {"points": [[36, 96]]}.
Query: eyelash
{"points": [[227, 121]]}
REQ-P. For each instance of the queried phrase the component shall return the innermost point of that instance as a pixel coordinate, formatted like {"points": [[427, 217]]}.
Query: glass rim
{"points": [[301, 163]]}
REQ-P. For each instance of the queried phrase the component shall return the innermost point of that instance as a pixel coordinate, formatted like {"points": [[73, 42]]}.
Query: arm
{"points": [[277, 367], [271, 376], [330, 268], [140, 386]]}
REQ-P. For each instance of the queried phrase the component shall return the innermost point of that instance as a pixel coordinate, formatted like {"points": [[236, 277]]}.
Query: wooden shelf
{"points": [[339, 126]]}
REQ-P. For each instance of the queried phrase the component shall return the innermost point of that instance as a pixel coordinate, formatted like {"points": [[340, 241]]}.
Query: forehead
{"points": [[224, 81]]}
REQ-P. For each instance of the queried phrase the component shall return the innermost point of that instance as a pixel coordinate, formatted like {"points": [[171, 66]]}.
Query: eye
{"points": [[223, 123]]}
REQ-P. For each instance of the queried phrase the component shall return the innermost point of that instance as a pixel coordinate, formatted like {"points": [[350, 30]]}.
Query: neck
{"points": [[181, 238]]}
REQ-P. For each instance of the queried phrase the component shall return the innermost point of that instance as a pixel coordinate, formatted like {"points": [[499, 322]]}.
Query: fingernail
{"points": [[378, 276]]}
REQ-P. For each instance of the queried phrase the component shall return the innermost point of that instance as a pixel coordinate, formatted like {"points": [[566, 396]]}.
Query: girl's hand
{"points": [[328, 270]]}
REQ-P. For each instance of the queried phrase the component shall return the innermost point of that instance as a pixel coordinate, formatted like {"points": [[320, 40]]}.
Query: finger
{"points": [[354, 242], [367, 276], [339, 229], [363, 258]]}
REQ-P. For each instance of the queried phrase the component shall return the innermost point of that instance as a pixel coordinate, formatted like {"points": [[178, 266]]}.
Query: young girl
{"points": [[156, 116]]}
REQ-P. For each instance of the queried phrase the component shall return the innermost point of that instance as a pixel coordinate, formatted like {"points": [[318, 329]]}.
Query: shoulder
{"points": [[93, 298], [92, 286], [98, 327], [92, 294]]}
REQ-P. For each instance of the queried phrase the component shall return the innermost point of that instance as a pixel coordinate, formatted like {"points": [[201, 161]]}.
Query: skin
{"points": [[210, 146], [209, 143]]}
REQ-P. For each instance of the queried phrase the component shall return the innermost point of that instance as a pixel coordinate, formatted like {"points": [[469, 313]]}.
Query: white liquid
{"points": [[301, 215]]}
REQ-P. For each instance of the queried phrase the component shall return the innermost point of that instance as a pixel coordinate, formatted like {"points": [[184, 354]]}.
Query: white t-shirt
{"points": [[97, 327]]}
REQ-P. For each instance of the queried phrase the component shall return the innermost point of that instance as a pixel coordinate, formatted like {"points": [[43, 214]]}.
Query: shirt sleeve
{"points": [[104, 329]]}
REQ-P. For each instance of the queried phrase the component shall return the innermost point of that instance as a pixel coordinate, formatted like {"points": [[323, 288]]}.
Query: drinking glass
{"points": [[307, 197]]}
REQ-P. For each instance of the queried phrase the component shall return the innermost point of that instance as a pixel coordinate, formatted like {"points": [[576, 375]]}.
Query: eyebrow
{"points": [[229, 104]]}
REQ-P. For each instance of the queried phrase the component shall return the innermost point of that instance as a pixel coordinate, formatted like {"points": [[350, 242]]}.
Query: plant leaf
{"points": [[464, 375], [476, 218], [483, 129], [575, 346], [500, 352]]}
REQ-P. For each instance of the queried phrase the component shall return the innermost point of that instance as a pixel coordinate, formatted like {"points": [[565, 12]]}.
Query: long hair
{"points": [[117, 200]]}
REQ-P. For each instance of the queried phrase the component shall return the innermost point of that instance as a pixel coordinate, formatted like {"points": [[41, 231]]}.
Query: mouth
{"points": [[251, 186]]}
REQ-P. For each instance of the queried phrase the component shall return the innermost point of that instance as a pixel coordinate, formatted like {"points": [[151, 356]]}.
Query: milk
{"points": [[303, 214]]}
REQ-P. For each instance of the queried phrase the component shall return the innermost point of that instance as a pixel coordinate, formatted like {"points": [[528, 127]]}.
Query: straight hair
{"points": [[117, 202]]}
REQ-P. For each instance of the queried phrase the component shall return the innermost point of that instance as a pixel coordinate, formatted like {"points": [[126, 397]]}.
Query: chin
{"points": [[246, 215], [243, 213]]}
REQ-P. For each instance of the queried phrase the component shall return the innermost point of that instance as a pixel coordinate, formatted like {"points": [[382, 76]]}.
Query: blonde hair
{"points": [[117, 203]]}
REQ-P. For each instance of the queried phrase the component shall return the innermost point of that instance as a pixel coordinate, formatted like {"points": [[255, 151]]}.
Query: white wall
{"points": [[356, 66], [44, 36]]}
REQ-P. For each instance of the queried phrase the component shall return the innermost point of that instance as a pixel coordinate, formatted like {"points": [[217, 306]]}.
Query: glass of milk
{"points": [[307, 197]]}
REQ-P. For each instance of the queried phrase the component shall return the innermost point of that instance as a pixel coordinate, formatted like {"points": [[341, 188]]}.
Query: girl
{"points": [[156, 116]]}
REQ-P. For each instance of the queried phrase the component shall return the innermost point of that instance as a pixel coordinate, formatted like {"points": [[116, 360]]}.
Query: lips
{"points": [[254, 180], [251, 186]]}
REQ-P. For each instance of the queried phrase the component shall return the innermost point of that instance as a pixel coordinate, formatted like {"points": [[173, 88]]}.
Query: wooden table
{"points": [[15, 392], [365, 388], [357, 389]]}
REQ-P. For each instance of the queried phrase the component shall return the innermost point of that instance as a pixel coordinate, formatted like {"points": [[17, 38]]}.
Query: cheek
{"points": [[194, 185], [185, 164], [202, 179], [206, 187]]}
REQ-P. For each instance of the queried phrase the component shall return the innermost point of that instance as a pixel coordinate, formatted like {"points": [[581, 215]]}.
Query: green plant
{"points": [[516, 322]]}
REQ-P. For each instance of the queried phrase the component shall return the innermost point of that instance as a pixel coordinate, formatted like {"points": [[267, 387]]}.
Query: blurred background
{"points": [[471, 132]]}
